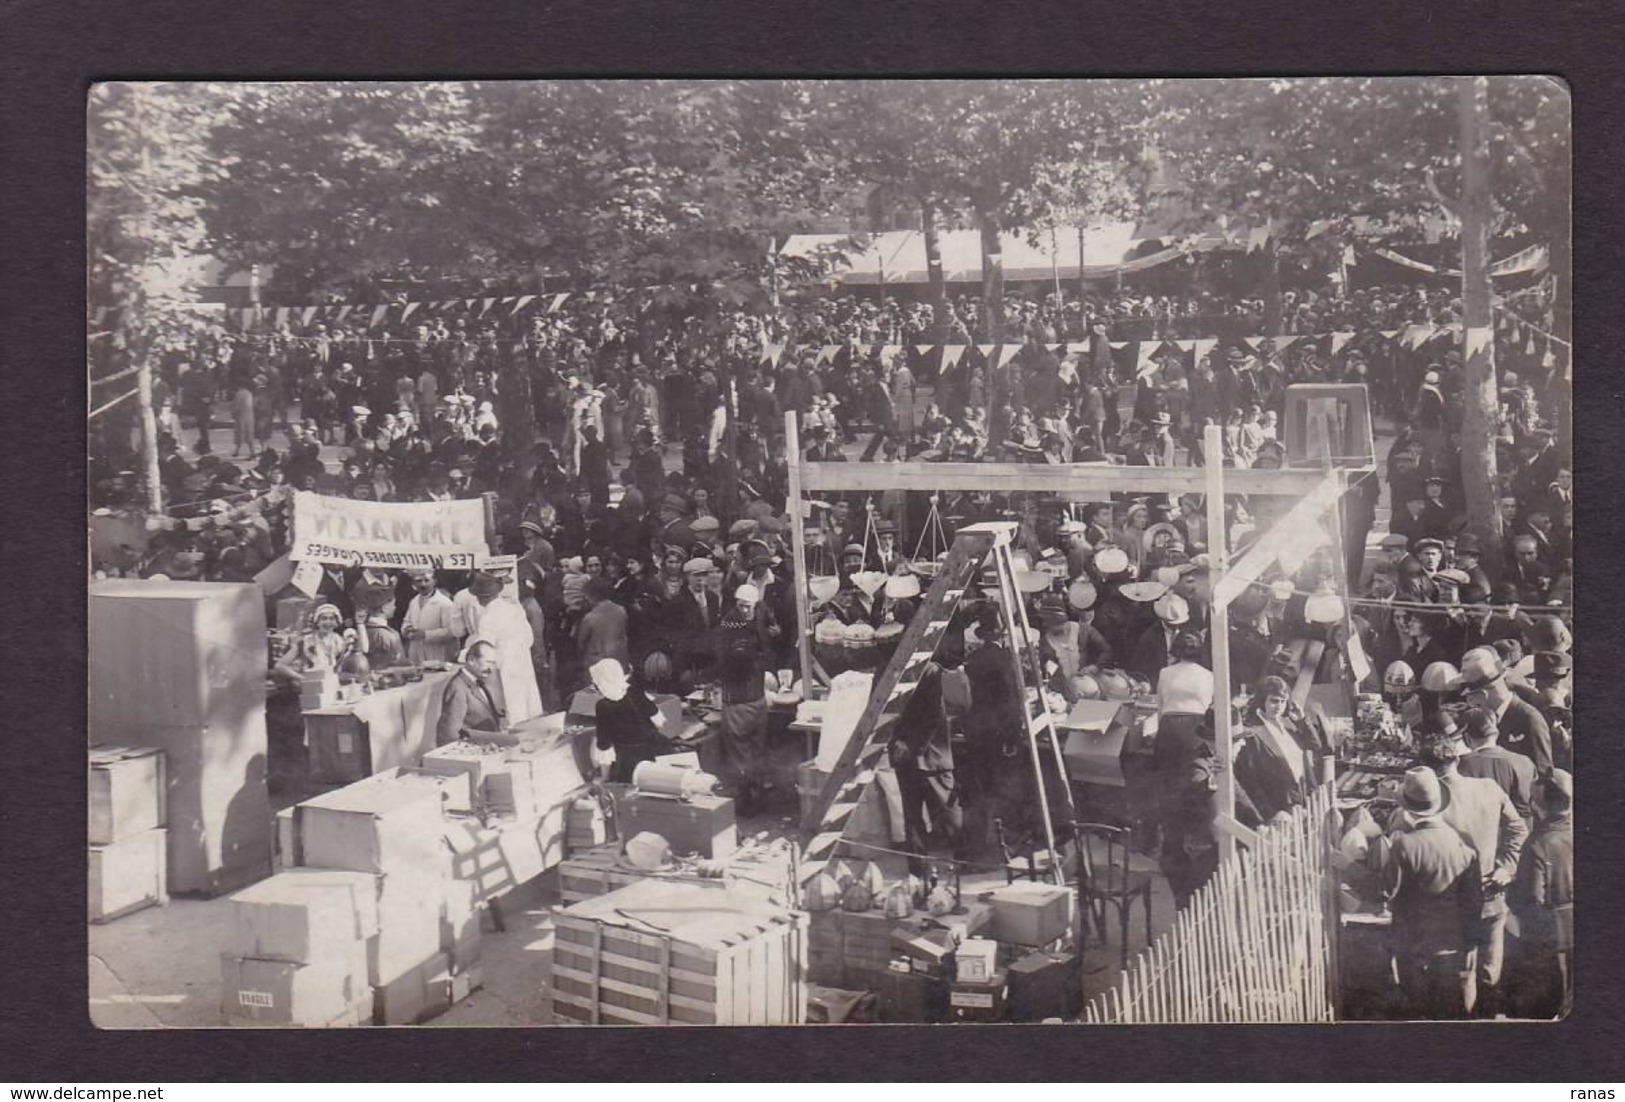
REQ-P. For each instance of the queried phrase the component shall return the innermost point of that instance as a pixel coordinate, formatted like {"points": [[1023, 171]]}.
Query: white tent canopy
{"points": [[898, 256]]}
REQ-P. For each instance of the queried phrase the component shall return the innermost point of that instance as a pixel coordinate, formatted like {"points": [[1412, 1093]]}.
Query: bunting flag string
{"points": [[1519, 322]]}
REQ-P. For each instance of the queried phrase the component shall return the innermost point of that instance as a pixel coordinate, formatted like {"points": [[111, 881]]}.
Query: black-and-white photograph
{"points": [[802, 551]]}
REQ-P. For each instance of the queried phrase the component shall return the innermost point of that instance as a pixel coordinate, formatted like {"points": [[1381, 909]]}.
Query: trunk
{"points": [[149, 438], [992, 273], [519, 409], [1480, 400], [1083, 284], [939, 284], [1272, 288]]}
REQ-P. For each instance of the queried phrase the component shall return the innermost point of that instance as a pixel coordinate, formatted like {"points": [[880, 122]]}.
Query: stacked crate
{"points": [[656, 953], [127, 855], [392, 828], [759, 871], [298, 950], [180, 666]]}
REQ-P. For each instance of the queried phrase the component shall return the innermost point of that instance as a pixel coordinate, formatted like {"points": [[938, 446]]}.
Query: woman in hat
{"points": [[320, 647], [628, 722], [1184, 766]]}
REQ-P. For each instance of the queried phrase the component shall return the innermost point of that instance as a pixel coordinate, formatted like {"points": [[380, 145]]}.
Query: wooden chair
{"points": [[1025, 858], [1106, 878]]}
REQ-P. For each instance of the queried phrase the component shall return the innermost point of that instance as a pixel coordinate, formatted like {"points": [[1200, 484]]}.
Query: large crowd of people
{"points": [[654, 535]]}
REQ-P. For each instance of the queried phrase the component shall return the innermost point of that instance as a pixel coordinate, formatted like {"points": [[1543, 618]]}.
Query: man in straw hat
{"points": [[1431, 881]]}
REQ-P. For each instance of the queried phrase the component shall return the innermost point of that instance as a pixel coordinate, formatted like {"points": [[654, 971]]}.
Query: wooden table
{"points": [[391, 727]]}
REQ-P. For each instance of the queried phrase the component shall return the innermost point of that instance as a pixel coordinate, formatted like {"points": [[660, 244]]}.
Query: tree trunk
{"points": [[519, 407], [992, 273], [1083, 284], [939, 287], [149, 437], [1479, 394], [1272, 287]]}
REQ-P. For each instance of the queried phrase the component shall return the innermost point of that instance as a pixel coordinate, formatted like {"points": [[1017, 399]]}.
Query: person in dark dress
{"points": [[627, 720]]}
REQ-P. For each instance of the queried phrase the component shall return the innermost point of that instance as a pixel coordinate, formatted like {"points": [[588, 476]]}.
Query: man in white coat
{"points": [[501, 621], [430, 626]]}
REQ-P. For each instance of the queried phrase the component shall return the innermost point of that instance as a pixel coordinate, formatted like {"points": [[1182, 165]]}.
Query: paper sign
{"points": [[256, 998], [447, 535], [307, 577], [1359, 664], [346, 742], [983, 999]]}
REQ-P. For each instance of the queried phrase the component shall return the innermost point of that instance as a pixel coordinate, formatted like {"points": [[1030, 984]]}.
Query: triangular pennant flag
{"points": [[406, 311], [922, 350], [772, 352], [1418, 335], [485, 306], [1284, 343], [1118, 346], [1006, 354], [1077, 346], [1339, 340], [986, 350], [1478, 340], [1202, 346], [1145, 356], [306, 315], [1185, 346], [524, 301], [1389, 333], [1529, 348], [378, 315], [468, 303], [1053, 347], [1252, 343], [558, 300], [952, 354]]}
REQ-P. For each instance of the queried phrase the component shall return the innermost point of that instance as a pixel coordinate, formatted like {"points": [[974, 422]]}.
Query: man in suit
{"points": [[1151, 652], [472, 705], [694, 613], [1485, 818], [602, 631], [1523, 729], [1514, 773]]}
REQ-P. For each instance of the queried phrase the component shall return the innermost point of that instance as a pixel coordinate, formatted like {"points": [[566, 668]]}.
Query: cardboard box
{"points": [[928, 949], [374, 826], [703, 825], [979, 1000], [338, 742], [128, 875], [304, 915], [457, 794], [459, 758], [511, 793], [978, 959], [913, 997], [1096, 733], [289, 853], [1030, 913], [584, 825], [555, 775], [976, 920], [409, 925], [414, 996], [460, 934], [266, 992], [126, 792]]}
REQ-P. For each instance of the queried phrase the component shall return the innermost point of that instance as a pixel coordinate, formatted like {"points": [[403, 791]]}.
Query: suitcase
{"points": [[1045, 984]]}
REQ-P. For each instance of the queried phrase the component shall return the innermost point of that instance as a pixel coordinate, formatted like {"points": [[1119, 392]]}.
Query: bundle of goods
{"points": [[585, 824], [126, 831], [413, 945], [655, 953], [1377, 740]]}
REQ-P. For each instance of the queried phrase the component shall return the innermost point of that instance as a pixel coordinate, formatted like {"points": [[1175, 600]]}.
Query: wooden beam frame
{"points": [[1068, 481]]}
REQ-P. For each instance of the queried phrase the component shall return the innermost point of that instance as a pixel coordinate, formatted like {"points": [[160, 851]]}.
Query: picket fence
{"points": [[1256, 944]]}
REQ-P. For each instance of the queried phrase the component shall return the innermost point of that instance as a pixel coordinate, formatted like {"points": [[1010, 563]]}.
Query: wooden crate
{"points": [[180, 666], [128, 876], [657, 953], [126, 792]]}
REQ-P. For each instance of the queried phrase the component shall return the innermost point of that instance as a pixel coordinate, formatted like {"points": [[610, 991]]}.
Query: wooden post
{"points": [[1480, 393], [798, 551], [1219, 630], [489, 499]]}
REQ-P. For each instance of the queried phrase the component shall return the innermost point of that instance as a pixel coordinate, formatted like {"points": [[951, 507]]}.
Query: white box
{"points": [[302, 915], [978, 959], [128, 876], [374, 826], [126, 792]]}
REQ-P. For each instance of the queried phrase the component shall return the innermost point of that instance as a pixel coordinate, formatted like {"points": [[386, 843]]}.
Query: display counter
{"points": [[386, 728]]}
